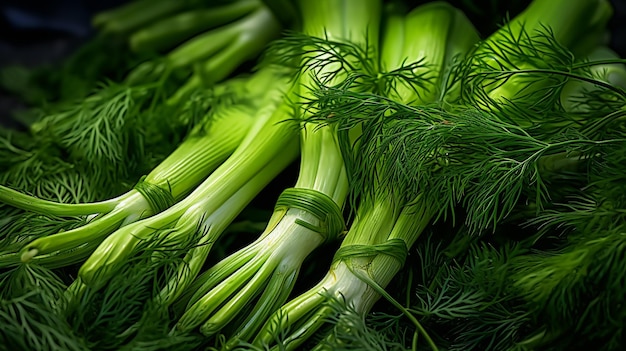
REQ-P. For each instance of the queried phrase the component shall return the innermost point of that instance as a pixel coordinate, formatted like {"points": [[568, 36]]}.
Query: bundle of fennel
{"points": [[451, 192]]}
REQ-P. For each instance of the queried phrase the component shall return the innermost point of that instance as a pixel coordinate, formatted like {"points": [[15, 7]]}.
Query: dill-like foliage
{"points": [[350, 331], [30, 300], [38, 167], [21, 227], [98, 132], [466, 156], [470, 300], [576, 286], [344, 65], [122, 315], [526, 67], [99, 146]]}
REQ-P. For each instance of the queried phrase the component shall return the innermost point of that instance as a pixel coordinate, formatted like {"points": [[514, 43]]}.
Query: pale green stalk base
{"points": [[310, 307], [271, 263], [275, 260], [349, 278], [252, 283], [214, 225], [374, 249]]}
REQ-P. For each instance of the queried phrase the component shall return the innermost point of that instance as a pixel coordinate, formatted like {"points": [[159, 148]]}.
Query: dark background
{"points": [[38, 31]]}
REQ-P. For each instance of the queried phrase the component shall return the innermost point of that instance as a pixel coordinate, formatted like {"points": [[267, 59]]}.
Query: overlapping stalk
{"points": [[431, 125], [267, 149], [443, 145], [246, 287], [208, 145], [517, 62], [105, 136], [388, 219], [224, 49]]}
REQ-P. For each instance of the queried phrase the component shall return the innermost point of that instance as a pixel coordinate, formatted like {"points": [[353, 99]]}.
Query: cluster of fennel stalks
{"points": [[400, 119]]}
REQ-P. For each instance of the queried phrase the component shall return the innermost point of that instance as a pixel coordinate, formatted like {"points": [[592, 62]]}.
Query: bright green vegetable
{"points": [[207, 146], [219, 52], [578, 93], [553, 287], [77, 75], [414, 192], [70, 156], [267, 149], [111, 144], [515, 62], [501, 161], [375, 246], [110, 147], [252, 283], [575, 287], [171, 31]]}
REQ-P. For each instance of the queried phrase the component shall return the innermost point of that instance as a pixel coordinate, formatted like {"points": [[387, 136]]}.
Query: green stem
{"points": [[198, 313], [203, 151], [380, 290], [215, 224], [223, 48], [275, 294], [179, 173], [30, 203], [308, 329], [229, 47], [204, 46], [243, 296], [211, 277], [267, 140], [302, 225], [168, 32], [125, 11], [287, 316], [66, 257], [569, 20], [136, 15], [517, 46], [94, 231]]}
